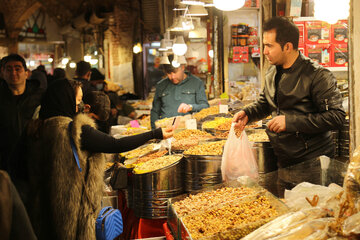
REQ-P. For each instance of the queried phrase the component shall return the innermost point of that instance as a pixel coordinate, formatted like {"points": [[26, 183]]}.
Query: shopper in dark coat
{"points": [[14, 221], [19, 99]]}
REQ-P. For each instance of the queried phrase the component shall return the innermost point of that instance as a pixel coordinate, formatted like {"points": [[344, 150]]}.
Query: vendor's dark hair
{"points": [[13, 58], [286, 31]]}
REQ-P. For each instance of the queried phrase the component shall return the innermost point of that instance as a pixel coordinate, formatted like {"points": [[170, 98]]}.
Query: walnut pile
{"points": [[211, 148], [156, 163], [205, 200], [231, 221]]}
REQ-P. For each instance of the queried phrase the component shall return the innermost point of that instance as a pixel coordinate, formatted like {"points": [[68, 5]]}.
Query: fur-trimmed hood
{"points": [[64, 202]]}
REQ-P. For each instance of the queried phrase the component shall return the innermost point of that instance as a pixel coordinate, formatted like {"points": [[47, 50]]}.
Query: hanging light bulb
{"points": [[137, 48], [87, 58], [192, 2], [179, 47], [331, 10], [211, 53], [93, 61], [229, 5], [65, 61], [50, 59], [175, 63], [72, 65]]}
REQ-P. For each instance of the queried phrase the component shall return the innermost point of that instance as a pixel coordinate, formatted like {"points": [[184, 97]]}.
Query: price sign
{"points": [[134, 124], [223, 108], [191, 124]]}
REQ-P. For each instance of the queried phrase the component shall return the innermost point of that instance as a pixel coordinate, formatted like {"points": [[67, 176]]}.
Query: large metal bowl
{"points": [[202, 171], [151, 190], [265, 157]]}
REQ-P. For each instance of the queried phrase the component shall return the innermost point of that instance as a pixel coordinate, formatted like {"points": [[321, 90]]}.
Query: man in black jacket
{"points": [[304, 102], [18, 100]]}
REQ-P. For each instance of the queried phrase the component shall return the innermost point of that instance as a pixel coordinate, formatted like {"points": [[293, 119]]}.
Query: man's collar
{"points": [[296, 63]]}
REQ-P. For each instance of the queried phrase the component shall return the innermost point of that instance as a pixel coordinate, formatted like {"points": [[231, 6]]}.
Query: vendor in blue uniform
{"points": [[179, 93]]}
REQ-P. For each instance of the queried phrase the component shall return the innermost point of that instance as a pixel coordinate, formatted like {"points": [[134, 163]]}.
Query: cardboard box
{"points": [[339, 32], [240, 54], [252, 3], [301, 27], [317, 32], [340, 55], [320, 53]]}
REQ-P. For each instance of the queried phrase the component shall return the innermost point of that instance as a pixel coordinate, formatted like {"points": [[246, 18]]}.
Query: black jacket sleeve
{"points": [[258, 110], [327, 98], [95, 141]]}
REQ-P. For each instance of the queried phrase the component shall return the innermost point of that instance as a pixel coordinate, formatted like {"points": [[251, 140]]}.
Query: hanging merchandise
{"points": [[197, 10], [179, 47]]}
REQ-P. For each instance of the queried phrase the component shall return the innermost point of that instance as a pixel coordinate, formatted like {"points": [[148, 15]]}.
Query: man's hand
{"points": [[277, 124], [184, 108], [241, 119], [167, 132]]}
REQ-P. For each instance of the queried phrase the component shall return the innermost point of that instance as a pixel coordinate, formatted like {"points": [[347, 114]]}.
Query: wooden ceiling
{"points": [[16, 12]]}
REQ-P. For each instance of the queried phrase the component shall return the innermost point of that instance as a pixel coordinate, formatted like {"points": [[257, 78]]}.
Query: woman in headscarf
{"points": [[65, 195]]}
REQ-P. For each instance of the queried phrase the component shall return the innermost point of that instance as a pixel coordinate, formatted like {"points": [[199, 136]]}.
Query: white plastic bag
{"points": [[238, 157]]}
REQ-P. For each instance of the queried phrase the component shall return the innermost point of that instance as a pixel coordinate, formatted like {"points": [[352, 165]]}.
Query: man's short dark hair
{"points": [[13, 58], [96, 75], [59, 73], [82, 68], [99, 103], [286, 31]]}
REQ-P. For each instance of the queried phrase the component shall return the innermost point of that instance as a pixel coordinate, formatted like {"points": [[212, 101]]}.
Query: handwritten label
{"points": [[223, 108], [134, 124], [191, 124]]}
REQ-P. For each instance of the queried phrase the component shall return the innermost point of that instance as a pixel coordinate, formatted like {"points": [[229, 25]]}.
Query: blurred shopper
{"points": [[59, 73], [65, 192], [83, 73], [97, 80], [304, 102], [97, 106], [178, 94], [14, 220]]}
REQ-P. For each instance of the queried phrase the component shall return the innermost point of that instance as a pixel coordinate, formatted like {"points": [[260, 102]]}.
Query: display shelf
{"points": [[300, 19], [338, 69]]}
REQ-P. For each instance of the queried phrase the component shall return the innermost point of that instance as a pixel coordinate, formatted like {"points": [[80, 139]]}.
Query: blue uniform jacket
{"points": [[169, 96]]}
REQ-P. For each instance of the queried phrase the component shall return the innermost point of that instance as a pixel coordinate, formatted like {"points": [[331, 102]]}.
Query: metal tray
{"points": [[179, 229]]}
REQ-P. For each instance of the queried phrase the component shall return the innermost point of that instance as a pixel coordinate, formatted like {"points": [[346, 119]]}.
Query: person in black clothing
{"points": [[97, 106], [97, 80], [14, 220], [83, 74], [65, 191], [59, 73], [18, 100], [304, 102]]}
